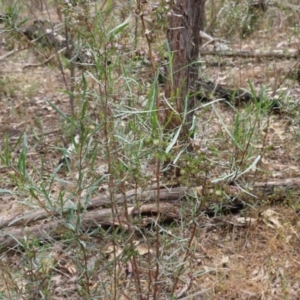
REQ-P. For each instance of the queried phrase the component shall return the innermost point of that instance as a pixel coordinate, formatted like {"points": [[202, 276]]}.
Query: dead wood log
{"points": [[253, 54], [139, 215], [141, 196], [104, 217], [170, 195], [208, 91]]}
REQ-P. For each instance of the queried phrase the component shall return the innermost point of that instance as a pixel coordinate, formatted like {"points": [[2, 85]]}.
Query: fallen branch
{"points": [[8, 54], [149, 196], [45, 61], [142, 210], [210, 40], [102, 201], [104, 217], [253, 54]]}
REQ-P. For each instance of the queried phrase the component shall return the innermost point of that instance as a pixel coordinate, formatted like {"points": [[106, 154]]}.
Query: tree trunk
{"points": [[186, 20], [183, 38]]}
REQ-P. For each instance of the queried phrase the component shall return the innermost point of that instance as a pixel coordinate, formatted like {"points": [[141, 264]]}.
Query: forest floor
{"points": [[227, 258]]}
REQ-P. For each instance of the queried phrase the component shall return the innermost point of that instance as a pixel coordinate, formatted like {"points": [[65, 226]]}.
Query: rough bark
{"points": [[186, 21]]}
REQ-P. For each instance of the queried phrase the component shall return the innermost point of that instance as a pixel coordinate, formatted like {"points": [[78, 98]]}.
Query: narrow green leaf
{"points": [[174, 140], [118, 28]]}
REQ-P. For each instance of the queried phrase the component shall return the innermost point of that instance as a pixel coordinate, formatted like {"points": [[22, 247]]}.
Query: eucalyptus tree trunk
{"points": [[187, 18]]}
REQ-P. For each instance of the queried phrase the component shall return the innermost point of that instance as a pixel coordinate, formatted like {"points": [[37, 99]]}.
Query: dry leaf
{"points": [[142, 250], [271, 218], [246, 221], [225, 261]]}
